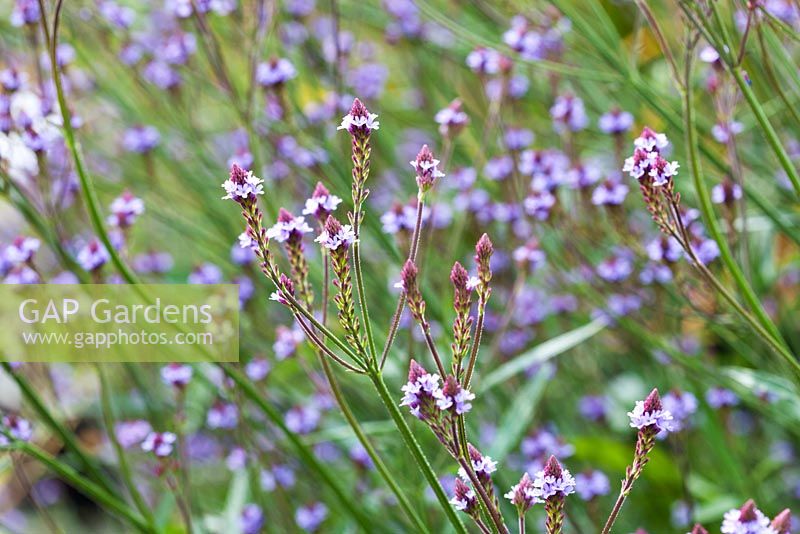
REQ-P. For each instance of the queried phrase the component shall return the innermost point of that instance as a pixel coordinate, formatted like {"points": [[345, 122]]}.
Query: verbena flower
{"points": [[452, 119], [16, 427], [21, 250], [568, 114], [746, 520], [159, 443], [93, 255], [421, 391], [141, 139], [650, 414], [336, 235], [464, 499], [592, 484], [453, 397], [552, 481], [322, 203], [287, 227], [615, 122], [242, 186], [125, 209], [251, 520], [310, 517], [177, 374], [427, 169], [130, 433], [521, 495], [359, 120], [275, 72]]}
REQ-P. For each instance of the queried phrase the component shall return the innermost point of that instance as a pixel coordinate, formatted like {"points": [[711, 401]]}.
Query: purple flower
{"points": [[368, 80], [153, 262], [21, 250], [159, 443], [464, 499], [286, 341], [288, 227], [592, 407], [207, 273], [518, 138], [452, 119], [726, 192], [610, 192], [592, 484], [130, 433], [724, 132], [651, 141], [275, 72], [224, 415], [521, 494], [427, 169], [484, 61], [664, 249], [302, 419], [616, 268], [615, 122], [322, 203], [242, 185], [125, 209], [22, 274], [359, 120], [16, 427], [93, 255], [161, 74], [552, 482], [120, 16], [310, 517], [421, 391], [141, 139], [681, 406], [336, 235], [746, 520], [257, 369], [538, 204], [650, 414], [582, 176], [25, 13], [177, 374], [568, 114], [718, 397], [453, 397], [252, 519], [530, 254]]}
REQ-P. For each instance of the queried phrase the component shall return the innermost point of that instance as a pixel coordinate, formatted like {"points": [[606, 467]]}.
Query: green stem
{"points": [[83, 485], [711, 221], [416, 451], [373, 454], [108, 419], [66, 437], [303, 452]]}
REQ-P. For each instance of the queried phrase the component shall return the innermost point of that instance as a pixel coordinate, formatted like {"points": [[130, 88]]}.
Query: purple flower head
{"points": [[93, 255], [521, 494], [592, 407], [484, 61], [16, 427], [159, 443], [322, 203], [724, 132], [543, 443], [782, 523], [11, 80], [177, 375], [464, 499], [141, 139], [746, 520], [615, 122], [287, 290], [616, 268], [664, 249], [21, 250], [649, 413], [552, 481], [452, 397], [538, 204], [206, 273], [592, 484], [518, 138], [336, 235], [361, 457], [257, 369], [252, 519], [25, 13], [310, 518], [718, 397], [610, 192], [162, 75], [568, 114], [583, 175], [286, 341], [650, 141], [499, 168], [242, 186], [452, 119], [359, 121], [120, 16], [726, 192], [130, 433], [275, 72], [681, 405], [223, 415], [420, 392], [125, 209], [22, 274], [427, 169], [302, 419], [288, 228], [530, 254]]}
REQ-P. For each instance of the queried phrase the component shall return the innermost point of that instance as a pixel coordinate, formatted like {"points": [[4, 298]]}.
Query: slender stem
{"points": [[85, 486], [87, 186], [476, 343], [521, 524], [651, 20], [324, 349], [303, 452], [416, 451], [66, 437], [497, 520], [710, 219], [336, 390], [107, 406], [401, 301], [362, 299], [614, 513], [426, 330]]}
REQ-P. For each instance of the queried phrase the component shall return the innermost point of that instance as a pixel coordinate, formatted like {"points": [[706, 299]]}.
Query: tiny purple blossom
{"points": [[288, 227], [125, 209], [746, 520], [592, 484], [521, 494], [177, 375], [159, 443], [130, 433], [21, 250], [335, 236], [93, 255], [141, 139], [359, 120], [615, 122], [322, 203], [242, 185], [275, 72], [568, 114], [551, 482], [649, 413]]}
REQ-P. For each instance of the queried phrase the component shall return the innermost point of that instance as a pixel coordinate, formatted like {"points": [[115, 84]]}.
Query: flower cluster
{"points": [[242, 186]]}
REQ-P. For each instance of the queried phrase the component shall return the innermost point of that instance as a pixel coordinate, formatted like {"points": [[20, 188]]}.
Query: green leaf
{"points": [[541, 353]]}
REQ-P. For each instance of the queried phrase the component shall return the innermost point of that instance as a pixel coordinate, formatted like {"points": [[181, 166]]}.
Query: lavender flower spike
{"points": [[242, 186], [746, 520], [782, 523], [465, 500], [359, 120], [649, 413], [521, 495], [427, 170], [551, 486]]}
